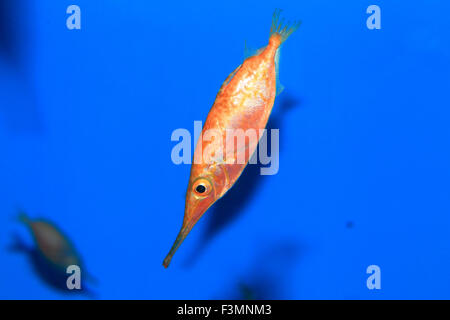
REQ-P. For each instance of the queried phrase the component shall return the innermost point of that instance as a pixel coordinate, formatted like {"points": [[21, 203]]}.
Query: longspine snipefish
{"points": [[244, 101]]}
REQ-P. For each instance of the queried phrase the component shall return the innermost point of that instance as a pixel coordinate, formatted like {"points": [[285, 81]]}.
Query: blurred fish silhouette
{"points": [[246, 292], [52, 254], [19, 108]]}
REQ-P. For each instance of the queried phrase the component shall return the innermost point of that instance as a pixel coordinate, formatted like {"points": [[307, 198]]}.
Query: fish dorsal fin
{"points": [[250, 52], [279, 86]]}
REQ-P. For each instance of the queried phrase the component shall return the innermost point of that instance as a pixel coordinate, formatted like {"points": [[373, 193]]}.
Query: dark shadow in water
{"points": [[46, 271], [235, 201], [272, 269], [18, 105], [14, 26], [9, 43], [269, 274]]}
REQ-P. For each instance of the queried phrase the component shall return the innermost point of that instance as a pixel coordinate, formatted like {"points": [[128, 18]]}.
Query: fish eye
{"points": [[202, 187]]}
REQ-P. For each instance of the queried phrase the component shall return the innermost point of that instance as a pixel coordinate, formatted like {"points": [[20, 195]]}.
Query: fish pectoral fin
{"points": [[226, 174]]}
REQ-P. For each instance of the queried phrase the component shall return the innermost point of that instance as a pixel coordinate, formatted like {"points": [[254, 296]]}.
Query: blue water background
{"points": [[86, 118]]}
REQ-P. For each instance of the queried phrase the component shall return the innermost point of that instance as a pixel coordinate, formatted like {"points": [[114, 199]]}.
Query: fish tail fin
{"points": [[281, 30]]}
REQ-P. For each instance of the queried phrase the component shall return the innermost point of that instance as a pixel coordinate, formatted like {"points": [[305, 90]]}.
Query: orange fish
{"points": [[244, 102]]}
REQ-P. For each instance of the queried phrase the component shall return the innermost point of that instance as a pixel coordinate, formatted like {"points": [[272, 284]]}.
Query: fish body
{"points": [[242, 105], [51, 254], [52, 243]]}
